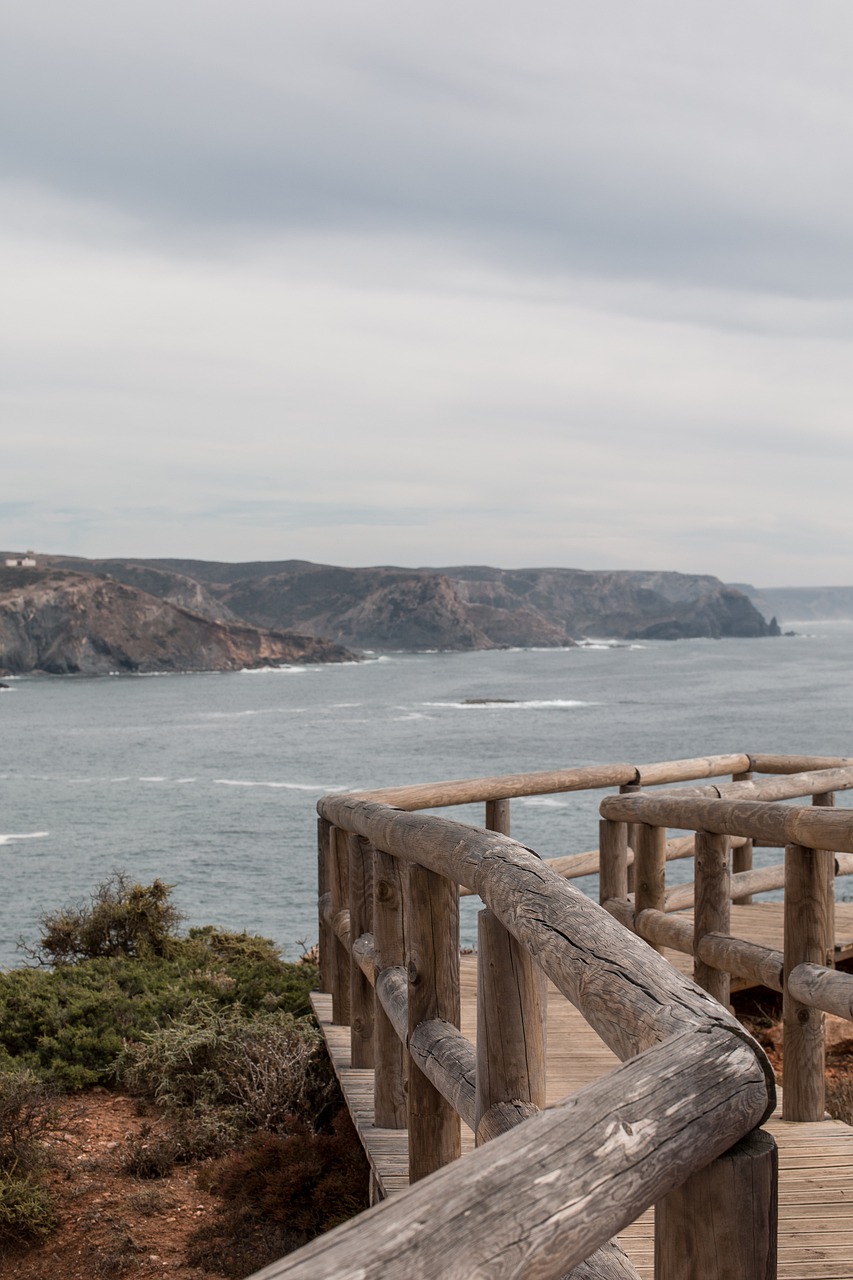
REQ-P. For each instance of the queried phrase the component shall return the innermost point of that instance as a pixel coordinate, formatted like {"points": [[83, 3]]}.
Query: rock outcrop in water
{"points": [[468, 607], [62, 623]]}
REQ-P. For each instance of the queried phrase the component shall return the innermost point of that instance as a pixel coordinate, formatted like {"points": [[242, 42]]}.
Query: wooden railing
{"points": [[818, 842], [676, 1125]]}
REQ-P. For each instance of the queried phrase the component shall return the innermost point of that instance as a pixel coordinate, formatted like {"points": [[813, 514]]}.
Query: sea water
{"points": [[210, 781]]}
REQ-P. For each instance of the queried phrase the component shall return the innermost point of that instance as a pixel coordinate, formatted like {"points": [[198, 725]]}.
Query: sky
{"points": [[567, 282]]}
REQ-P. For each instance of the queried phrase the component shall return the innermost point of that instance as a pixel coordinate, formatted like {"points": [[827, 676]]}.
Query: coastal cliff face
{"points": [[463, 607], [60, 623]]}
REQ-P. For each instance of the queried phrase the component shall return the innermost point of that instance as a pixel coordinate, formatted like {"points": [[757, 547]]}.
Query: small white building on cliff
{"points": [[26, 561]]}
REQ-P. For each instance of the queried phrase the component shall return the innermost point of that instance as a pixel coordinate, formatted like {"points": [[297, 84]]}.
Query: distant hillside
{"points": [[464, 607], [62, 622], [803, 604]]}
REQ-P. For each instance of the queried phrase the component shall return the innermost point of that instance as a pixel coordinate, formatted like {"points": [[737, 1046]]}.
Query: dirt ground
{"points": [[112, 1224]]}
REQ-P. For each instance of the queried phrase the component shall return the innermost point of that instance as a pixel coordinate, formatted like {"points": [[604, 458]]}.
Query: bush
{"points": [[280, 1192], [69, 1023], [256, 1072], [120, 919], [27, 1116], [26, 1210]]}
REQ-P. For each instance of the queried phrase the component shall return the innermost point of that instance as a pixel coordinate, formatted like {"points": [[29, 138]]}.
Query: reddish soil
{"points": [[110, 1223]]}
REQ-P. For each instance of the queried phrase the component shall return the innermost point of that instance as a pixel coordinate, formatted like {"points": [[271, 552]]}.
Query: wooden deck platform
{"points": [[816, 1160]]}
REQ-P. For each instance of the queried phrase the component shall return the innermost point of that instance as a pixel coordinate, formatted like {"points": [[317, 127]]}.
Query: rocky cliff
{"points": [[464, 607], [61, 622]]}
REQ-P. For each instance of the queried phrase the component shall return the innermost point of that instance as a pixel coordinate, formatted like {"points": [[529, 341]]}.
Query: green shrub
{"points": [[120, 919], [26, 1209], [257, 1072], [69, 1023], [28, 1115]]}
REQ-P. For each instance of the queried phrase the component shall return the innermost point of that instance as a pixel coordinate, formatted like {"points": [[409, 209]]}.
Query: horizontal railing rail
{"points": [[818, 842], [546, 1196]]}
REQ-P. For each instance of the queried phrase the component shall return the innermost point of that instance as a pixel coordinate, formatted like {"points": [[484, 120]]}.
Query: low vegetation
{"points": [[211, 1031]]}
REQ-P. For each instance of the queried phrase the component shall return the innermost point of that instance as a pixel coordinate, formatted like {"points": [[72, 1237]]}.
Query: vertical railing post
{"points": [[324, 903], [722, 1223], [497, 816], [432, 940], [807, 932], [612, 860], [742, 854], [360, 857], [826, 800], [650, 869], [712, 908], [511, 1020], [339, 890], [628, 788], [389, 1079]]}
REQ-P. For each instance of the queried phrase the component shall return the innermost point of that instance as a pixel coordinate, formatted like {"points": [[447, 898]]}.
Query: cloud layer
{"points": [[567, 284]]}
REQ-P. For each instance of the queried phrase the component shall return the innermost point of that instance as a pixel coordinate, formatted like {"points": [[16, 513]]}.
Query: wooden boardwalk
{"points": [[815, 1159]]}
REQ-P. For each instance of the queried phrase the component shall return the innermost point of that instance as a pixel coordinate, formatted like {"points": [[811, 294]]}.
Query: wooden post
{"points": [[360, 857], [742, 854], [325, 937], [389, 1079], [432, 965], [612, 860], [511, 1019], [650, 869], [339, 889], [712, 909], [633, 836], [806, 930], [721, 1224], [497, 816], [826, 800]]}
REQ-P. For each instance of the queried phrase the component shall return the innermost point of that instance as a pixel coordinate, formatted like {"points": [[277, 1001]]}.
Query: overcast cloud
{"points": [[567, 283]]}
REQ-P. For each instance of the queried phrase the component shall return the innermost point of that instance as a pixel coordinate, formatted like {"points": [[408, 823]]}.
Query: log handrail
{"points": [[547, 1194], [634, 999]]}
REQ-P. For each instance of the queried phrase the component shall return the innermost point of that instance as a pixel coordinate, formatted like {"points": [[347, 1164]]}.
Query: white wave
{"points": [[24, 835], [265, 671], [541, 802], [602, 642], [126, 778], [227, 715], [533, 704], [280, 786], [413, 715], [154, 778]]}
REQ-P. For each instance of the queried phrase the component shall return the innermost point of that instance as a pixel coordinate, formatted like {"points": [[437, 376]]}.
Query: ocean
{"points": [[210, 781]]}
